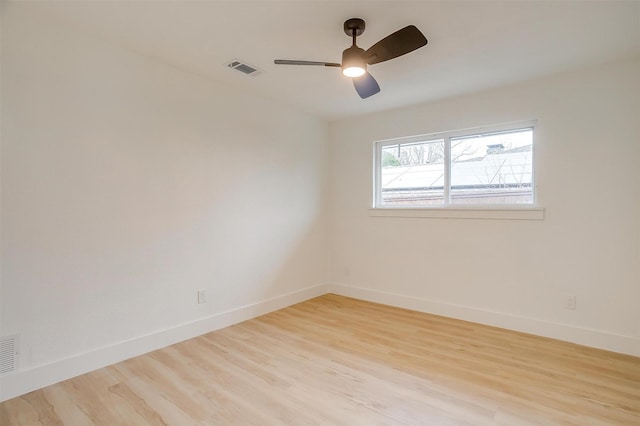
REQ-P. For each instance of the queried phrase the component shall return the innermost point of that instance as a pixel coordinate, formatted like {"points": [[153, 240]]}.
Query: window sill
{"points": [[501, 213]]}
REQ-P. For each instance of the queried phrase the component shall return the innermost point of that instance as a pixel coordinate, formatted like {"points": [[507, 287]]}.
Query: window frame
{"points": [[447, 136]]}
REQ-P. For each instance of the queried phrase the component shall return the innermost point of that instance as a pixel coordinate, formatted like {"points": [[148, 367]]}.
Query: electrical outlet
{"points": [[570, 302], [202, 296]]}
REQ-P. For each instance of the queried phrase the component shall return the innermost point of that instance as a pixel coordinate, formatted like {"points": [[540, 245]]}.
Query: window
{"points": [[481, 167]]}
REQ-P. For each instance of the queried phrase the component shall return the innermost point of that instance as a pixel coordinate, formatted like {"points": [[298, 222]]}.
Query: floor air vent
{"points": [[243, 67], [8, 354]]}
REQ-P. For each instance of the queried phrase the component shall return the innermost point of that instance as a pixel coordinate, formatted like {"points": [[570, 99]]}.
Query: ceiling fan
{"points": [[355, 59]]}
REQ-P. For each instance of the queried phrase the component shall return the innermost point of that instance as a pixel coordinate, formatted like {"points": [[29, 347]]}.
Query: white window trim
{"points": [[490, 212], [510, 211]]}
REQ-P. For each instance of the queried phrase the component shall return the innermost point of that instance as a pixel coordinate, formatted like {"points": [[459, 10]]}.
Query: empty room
{"points": [[319, 212]]}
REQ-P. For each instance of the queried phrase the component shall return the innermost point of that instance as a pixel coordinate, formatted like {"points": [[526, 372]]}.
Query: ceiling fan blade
{"points": [[294, 62], [366, 85], [397, 44]]}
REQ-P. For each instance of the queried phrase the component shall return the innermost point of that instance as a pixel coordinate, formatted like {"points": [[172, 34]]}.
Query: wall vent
{"points": [[243, 67], [8, 354]]}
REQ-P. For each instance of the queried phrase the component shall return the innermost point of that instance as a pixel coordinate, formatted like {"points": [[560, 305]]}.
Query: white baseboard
{"points": [[584, 336], [25, 381]]}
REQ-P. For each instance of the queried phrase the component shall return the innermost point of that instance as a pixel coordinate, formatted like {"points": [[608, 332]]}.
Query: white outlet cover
{"points": [[570, 302]]}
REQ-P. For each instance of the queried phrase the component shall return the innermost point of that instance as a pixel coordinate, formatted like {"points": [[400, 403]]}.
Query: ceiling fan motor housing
{"points": [[353, 58]]}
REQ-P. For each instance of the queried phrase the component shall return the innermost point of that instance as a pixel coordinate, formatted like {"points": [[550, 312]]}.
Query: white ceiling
{"points": [[473, 45]]}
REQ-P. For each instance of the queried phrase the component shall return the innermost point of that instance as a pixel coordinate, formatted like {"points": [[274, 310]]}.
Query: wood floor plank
{"points": [[333, 360]]}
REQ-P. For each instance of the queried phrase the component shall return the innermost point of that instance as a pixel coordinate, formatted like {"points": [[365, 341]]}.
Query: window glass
{"points": [[412, 174], [492, 169], [486, 166]]}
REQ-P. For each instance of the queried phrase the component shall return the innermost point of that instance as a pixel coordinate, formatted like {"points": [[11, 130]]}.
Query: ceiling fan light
{"points": [[353, 64], [353, 71]]}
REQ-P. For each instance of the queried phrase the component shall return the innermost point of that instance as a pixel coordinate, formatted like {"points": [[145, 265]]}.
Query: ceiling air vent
{"points": [[8, 354], [243, 67]]}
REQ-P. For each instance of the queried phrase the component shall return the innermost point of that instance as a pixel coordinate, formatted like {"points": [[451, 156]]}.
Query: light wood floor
{"points": [[339, 361]]}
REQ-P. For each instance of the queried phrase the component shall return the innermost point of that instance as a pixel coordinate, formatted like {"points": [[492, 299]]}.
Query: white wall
{"points": [[127, 185], [509, 273]]}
